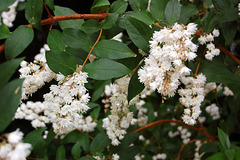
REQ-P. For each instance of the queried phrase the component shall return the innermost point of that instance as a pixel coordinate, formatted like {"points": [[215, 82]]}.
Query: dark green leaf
{"points": [[187, 12], [110, 21], [18, 41], [61, 62], [228, 15], [228, 30], [76, 150], [84, 142], [91, 26], [104, 69], [50, 136], [95, 113], [100, 5], [4, 31], [5, 4], [79, 54], [50, 4], [131, 151], [55, 40], [75, 38], [216, 71], [135, 87], [33, 12], [157, 8], [209, 147], [112, 49], [99, 87], [143, 16], [237, 154], [36, 140], [223, 137], [139, 32], [7, 69], [222, 4], [138, 5], [172, 11], [217, 156], [61, 153], [99, 143], [118, 6], [71, 137], [69, 23], [9, 101], [230, 153]]}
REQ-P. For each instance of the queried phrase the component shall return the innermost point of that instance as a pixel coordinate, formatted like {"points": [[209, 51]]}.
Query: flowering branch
{"points": [[180, 151], [100, 34], [230, 54]]}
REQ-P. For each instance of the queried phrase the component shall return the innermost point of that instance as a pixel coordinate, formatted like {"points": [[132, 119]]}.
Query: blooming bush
{"points": [[126, 79]]}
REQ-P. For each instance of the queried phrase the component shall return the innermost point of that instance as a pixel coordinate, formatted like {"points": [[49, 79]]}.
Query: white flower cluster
{"points": [[35, 74], [13, 148], [9, 16], [86, 124], [33, 112], [192, 97], [169, 49], [159, 156], [185, 134], [66, 101], [211, 49], [239, 9], [227, 91], [209, 87], [198, 156], [213, 110], [121, 117]]}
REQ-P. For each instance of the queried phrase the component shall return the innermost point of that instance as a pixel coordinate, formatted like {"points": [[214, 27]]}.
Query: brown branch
{"points": [[2, 47], [180, 151], [195, 75], [135, 69], [228, 53], [158, 25], [73, 17], [49, 14], [166, 121], [99, 36], [199, 32]]}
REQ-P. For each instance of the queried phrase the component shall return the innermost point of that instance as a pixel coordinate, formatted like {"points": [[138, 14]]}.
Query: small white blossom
{"points": [[213, 110], [227, 91]]}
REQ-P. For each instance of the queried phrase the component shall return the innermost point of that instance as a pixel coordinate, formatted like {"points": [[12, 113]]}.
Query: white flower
{"points": [[227, 91], [216, 32], [15, 137]]}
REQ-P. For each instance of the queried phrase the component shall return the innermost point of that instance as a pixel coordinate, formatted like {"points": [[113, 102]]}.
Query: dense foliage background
{"points": [[163, 79]]}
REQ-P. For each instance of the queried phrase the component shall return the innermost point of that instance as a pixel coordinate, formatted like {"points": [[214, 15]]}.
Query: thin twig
{"points": [[200, 63], [100, 34], [2, 47], [228, 53], [158, 25], [135, 69]]}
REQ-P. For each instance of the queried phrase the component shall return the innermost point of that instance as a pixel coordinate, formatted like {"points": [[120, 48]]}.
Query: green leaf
{"points": [[36, 140], [61, 62], [5, 4], [9, 101], [222, 4], [50, 136], [157, 8], [18, 41], [224, 139], [75, 38], [84, 142], [55, 41], [172, 11], [138, 5], [69, 23], [79, 54], [95, 112], [99, 143], [99, 5], [217, 156], [4, 31], [110, 21], [112, 49], [33, 12], [216, 71], [131, 151], [135, 87], [76, 150], [91, 26], [228, 30], [50, 4], [71, 137], [7, 69], [143, 16], [61, 153], [228, 15], [187, 12], [104, 69], [99, 87], [230, 153], [119, 6], [139, 32], [237, 154], [209, 147]]}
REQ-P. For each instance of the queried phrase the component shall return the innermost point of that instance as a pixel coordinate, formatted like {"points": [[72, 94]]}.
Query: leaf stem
{"points": [[99, 36]]}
